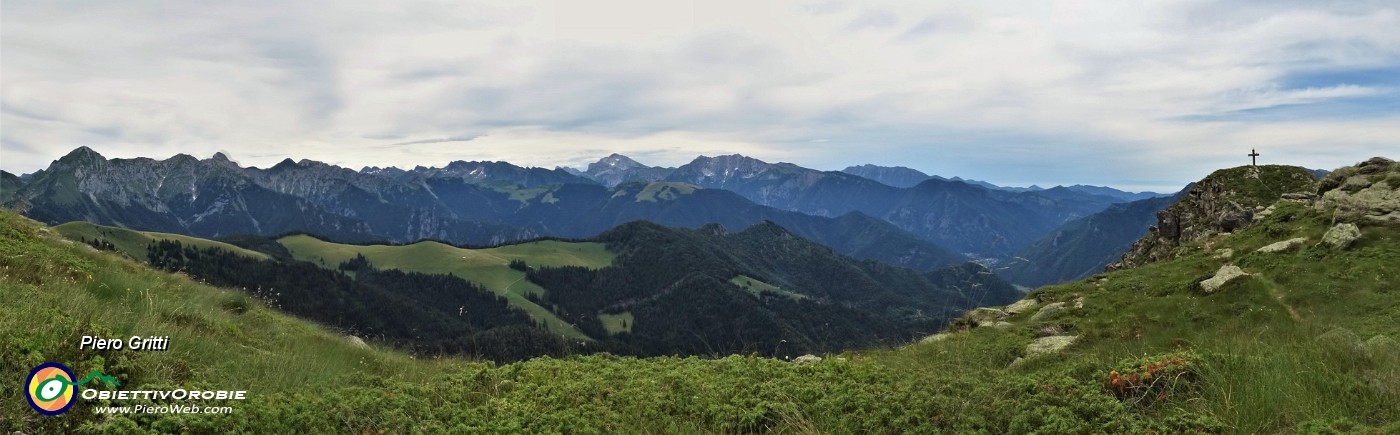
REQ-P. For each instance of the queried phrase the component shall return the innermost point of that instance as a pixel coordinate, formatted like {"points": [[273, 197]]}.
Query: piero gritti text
{"points": [[136, 342]]}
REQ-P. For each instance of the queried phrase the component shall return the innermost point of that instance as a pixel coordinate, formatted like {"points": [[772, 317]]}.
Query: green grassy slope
{"points": [[1305, 344], [134, 243], [758, 287], [1308, 338], [486, 267], [55, 291]]}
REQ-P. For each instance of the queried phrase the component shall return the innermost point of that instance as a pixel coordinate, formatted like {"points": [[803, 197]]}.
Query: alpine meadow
{"points": [[789, 217]]}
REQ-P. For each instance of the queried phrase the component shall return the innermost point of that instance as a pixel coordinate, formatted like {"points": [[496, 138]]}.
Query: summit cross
{"points": [[1253, 156]]}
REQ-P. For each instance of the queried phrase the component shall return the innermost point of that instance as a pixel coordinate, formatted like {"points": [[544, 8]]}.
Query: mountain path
{"points": [[1278, 296]]}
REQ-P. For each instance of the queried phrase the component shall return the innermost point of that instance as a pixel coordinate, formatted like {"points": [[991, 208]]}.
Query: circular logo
{"points": [[50, 388]]}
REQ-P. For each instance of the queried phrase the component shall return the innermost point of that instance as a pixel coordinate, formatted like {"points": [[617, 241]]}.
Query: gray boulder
{"points": [[1226, 274], [808, 358], [1282, 246], [1342, 236]]}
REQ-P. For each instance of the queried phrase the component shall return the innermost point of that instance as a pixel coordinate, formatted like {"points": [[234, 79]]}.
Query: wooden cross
{"points": [[1253, 155]]}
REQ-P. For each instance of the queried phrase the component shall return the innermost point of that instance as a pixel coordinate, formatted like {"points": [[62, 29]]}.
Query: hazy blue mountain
{"points": [[500, 173], [616, 169], [1115, 193], [1083, 247], [964, 217], [897, 176]]}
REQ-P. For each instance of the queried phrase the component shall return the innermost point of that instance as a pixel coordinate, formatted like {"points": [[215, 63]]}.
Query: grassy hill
{"points": [[1305, 343], [489, 267], [134, 243]]}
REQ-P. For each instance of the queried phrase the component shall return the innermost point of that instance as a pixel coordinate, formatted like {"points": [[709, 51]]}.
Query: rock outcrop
{"points": [[1368, 193], [1022, 306], [1223, 202]]}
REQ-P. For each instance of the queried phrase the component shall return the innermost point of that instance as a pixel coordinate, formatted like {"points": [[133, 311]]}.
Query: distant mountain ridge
{"points": [[482, 203], [970, 219], [899, 176], [475, 203], [1084, 246]]}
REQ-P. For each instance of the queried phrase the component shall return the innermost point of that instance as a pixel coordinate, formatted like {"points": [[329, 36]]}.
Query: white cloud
{"points": [[1013, 92]]}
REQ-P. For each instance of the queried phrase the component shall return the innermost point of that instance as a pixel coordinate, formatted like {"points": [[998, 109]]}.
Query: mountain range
{"points": [[972, 219], [933, 223]]}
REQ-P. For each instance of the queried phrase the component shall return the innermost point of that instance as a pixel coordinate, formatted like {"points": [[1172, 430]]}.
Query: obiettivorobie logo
{"points": [[51, 390], [50, 387]]}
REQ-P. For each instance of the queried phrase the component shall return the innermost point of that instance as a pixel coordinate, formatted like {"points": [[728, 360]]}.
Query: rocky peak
{"points": [[617, 168], [182, 159], [285, 164], [1223, 202], [719, 170], [613, 161], [82, 155]]}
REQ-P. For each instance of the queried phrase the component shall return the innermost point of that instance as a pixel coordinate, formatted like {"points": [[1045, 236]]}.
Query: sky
{"points": [[1137, 95]]}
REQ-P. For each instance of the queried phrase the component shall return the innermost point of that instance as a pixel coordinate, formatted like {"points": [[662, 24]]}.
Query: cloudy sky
{"points": [[1137, 95]]}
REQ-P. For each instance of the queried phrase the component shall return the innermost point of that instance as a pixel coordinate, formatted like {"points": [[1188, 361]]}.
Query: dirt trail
{"points": [[1278, 295]]}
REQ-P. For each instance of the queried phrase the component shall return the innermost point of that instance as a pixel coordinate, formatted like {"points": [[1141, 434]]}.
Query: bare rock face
{"points": [[1368, 193], [1223, 202], [1223, 276]]}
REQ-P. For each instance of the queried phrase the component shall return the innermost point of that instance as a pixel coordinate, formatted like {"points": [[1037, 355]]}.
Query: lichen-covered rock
{"points": [[1050, 345], [1282, 246], [984, 316], [1049, 311], [1022, 306], [1223, 276], [1364, 193], [1224, 254], [1342, 235], [808, 358]]}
